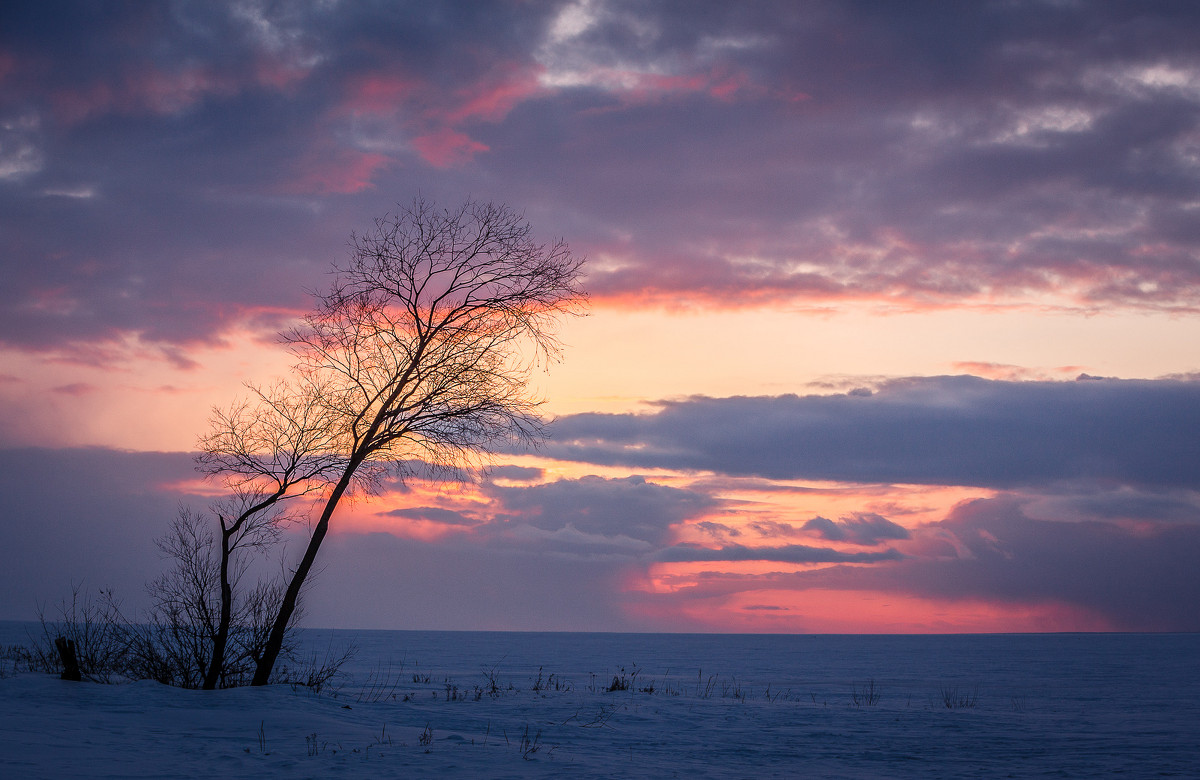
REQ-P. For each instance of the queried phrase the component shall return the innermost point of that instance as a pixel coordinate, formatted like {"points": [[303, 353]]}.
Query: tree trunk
{"points": [[217, 665], [271, 650]]}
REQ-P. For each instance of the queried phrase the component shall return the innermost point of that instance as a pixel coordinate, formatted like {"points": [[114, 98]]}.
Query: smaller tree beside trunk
{"points": [[268, 451]]}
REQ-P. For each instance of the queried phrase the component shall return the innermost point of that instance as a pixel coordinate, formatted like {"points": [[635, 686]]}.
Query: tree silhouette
{"points": [[420, 351]]}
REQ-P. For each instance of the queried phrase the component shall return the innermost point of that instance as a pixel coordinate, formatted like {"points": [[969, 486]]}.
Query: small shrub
{"points": [[866, 696], [550, 683], [731, 689], [954, 698], [624, 681], [315, 673], [530, 746], [16, 658], [705, 689], [491, 682]]}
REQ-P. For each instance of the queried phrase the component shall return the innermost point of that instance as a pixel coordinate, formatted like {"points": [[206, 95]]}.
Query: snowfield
{"points": [[483, 704]]}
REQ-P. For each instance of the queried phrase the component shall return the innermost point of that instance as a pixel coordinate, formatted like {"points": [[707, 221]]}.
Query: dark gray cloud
{"points": [[717, 530], [772, 528], [938, 430], [516, 473], [173, 169], [599, 509], [433, 514], [866, 529], [1105, 503]]}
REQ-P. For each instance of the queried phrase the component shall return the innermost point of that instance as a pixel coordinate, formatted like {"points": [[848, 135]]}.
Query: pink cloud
{"points": [[447, 148], [1010, 373], [339, 171], [432, 118], [640, 87], [724, 601], [727, 88], [493, 98]]}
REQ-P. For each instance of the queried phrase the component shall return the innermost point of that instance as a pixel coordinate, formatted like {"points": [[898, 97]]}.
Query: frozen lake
{"points": [[497, 704]]}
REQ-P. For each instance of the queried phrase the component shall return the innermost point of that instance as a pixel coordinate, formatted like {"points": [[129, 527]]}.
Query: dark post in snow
{"points": [[66, 651]]}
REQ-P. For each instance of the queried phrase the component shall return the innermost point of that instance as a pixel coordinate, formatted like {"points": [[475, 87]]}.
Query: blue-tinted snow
{"points": [[1059, 705]]}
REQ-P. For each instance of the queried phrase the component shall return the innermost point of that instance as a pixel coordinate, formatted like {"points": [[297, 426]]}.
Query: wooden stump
{"points": [[66, 651]]}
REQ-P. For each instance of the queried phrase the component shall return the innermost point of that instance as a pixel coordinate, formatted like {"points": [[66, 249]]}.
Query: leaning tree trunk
{"points": [[291, 597]]}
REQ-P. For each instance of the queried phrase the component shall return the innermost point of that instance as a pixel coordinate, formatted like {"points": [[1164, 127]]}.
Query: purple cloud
{"points": [[1137, 579], [176, 171], [789, 553]]}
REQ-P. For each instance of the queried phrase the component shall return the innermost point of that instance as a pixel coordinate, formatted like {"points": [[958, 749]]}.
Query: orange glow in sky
{"points": [[769, 610]]}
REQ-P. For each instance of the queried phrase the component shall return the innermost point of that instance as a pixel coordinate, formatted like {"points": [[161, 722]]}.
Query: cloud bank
{"points": [[1092, 521], [928, 430], [174, 171]]}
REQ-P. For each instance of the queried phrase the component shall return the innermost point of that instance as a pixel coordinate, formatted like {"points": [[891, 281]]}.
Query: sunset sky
{"points": [[894, 308]]}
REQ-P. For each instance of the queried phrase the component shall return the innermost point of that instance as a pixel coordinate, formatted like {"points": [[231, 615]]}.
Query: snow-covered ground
{"points": [[423, 704]]}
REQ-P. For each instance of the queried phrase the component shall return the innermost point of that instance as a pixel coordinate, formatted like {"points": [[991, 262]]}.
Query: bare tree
{"points": [[421, 350], [203, 630], [174, 643]]}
